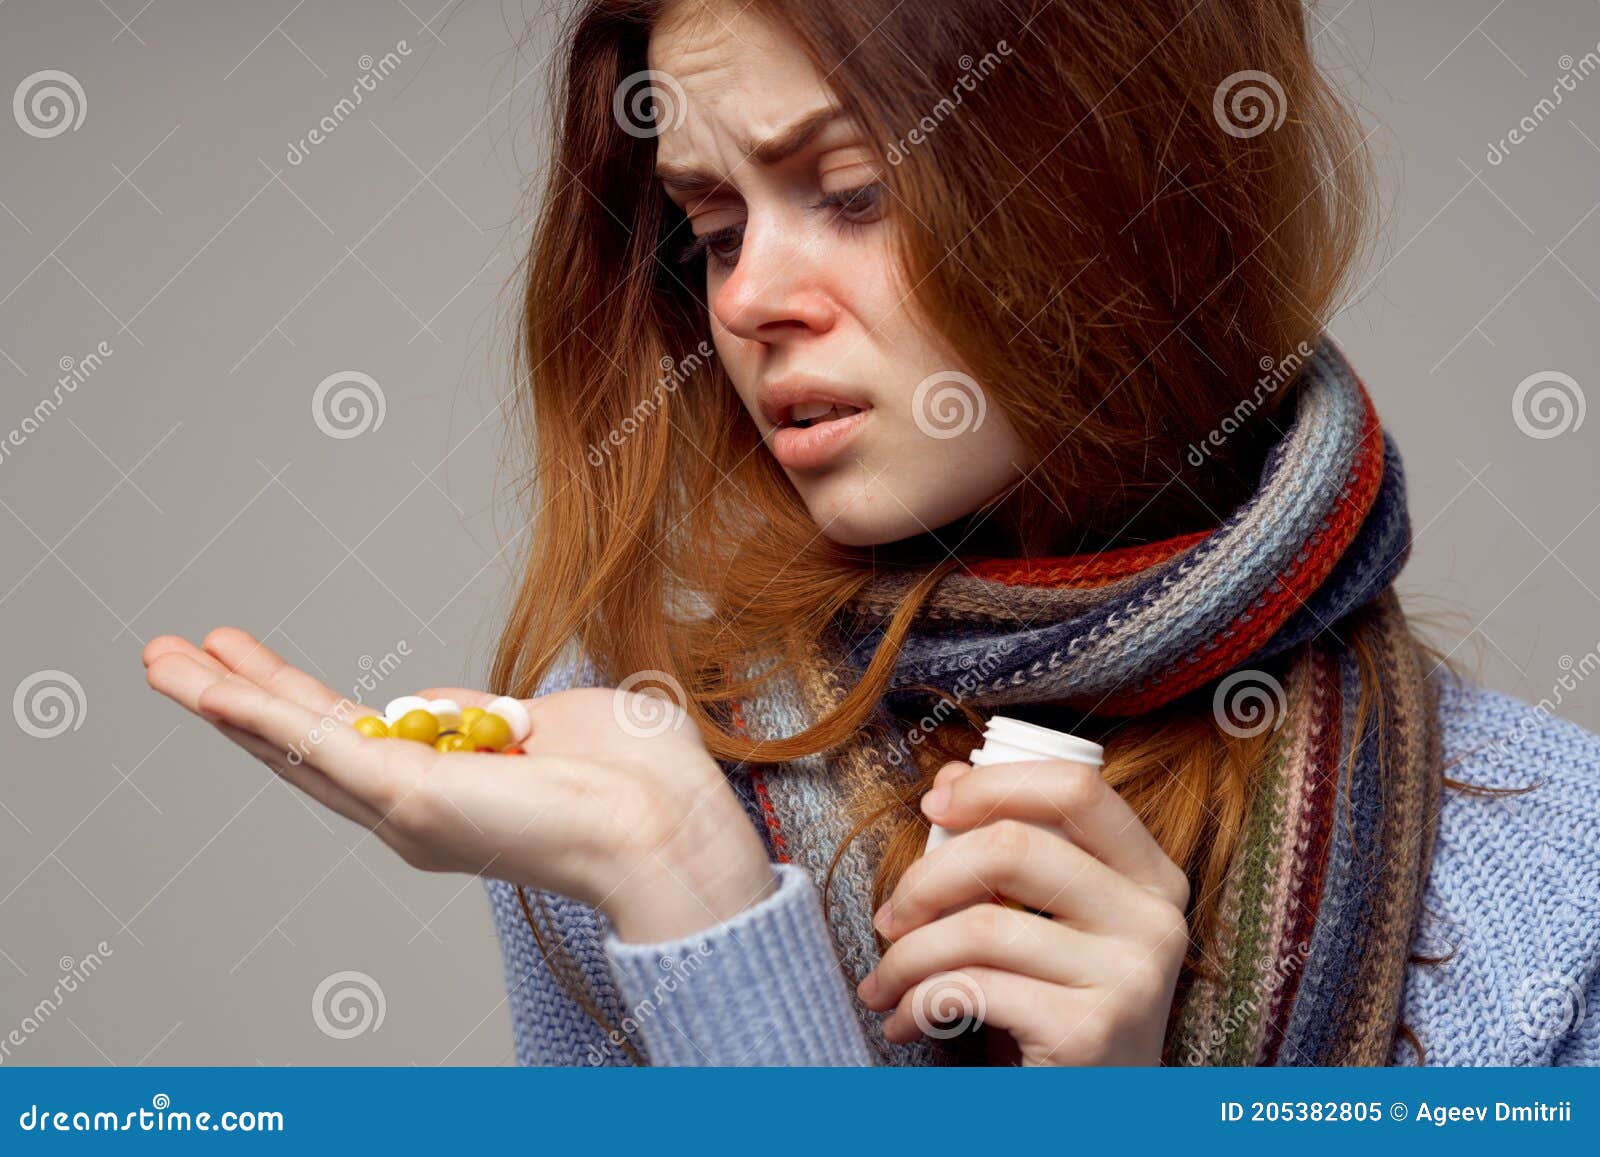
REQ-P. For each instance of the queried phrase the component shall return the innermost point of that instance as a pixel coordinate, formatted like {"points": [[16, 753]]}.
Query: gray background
{"points": [[186, 483]]}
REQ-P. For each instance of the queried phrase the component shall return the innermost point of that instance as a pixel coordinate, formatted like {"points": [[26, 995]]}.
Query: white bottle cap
{"points": [[1007, 740]]}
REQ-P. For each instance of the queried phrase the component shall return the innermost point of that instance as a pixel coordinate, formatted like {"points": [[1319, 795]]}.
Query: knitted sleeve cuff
{"points": [[762, 988]]}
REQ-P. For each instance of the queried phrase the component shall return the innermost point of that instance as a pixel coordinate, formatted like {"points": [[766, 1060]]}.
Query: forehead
{"points": [[740, 74]]}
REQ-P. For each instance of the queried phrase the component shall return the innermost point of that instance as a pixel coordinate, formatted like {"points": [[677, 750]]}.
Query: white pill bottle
{"points": [[1007, 740]]}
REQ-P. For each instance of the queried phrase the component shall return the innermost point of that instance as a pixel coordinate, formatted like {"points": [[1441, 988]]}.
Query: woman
{"points": [[894, 365]]}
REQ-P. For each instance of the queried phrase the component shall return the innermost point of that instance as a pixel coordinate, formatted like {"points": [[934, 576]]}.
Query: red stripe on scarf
{"points": [[1085, 571], [780, 846]]}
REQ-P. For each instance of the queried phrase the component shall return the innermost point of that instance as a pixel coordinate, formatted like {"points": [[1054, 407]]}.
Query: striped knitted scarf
{"points": [[1322, 895]]}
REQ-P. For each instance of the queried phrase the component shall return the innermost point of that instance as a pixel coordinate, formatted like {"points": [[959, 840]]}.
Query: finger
{"points": [[178, 645], [1055, 1025], [329, 794], [245, 655], [1072, 796], [369, 769], [992, 935], [464, 696], [947, 1004], [949, 773], [1033, 866], [182, 679]]}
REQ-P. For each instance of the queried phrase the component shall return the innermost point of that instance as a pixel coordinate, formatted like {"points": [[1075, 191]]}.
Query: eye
{"points": [[721, 244], [858, 206], [851, 208]]}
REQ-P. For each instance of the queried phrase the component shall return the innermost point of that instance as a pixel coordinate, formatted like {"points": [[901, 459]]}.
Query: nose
{"points": [[778, 290]]}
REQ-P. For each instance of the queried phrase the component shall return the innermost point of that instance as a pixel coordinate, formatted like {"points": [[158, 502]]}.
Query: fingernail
{"points": [[868, 986], [937, 799], [880, 919]]}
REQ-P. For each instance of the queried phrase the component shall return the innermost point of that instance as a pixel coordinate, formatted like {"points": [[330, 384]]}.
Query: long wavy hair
{"points": [[1148, 201]]}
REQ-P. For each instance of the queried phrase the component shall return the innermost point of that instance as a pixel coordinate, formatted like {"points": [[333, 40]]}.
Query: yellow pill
{"points": [[419, 725], [468, 714], [454, 741], [372, 725], [489, 731]]}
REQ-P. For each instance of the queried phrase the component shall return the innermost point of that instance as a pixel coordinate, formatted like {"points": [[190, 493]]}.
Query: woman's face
{"points": [[882, 431]]}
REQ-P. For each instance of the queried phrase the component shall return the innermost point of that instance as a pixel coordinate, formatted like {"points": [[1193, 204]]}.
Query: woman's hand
{"points": [[1089, 979], [617, 804]]}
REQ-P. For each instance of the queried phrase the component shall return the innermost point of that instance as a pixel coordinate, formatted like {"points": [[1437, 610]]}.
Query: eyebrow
{"points": [[779, 147]]}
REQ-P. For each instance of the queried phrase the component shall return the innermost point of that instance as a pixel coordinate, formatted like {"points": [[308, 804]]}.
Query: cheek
{"points": [[868, 286], [738, 362], [978, 461], [951, 448], [938, 481]]}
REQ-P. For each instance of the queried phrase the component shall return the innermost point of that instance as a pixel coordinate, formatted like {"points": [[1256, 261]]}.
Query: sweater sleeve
{"points": [[761, 988]]}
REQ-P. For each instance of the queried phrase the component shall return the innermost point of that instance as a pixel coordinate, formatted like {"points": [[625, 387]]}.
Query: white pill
{"points": [[446, 711], [398, 707], [514, 713]]}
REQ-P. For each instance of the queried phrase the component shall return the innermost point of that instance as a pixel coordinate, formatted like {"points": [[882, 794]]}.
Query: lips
{"points": [[804, 393], [813, 420], [808, 414], [808, 447]]}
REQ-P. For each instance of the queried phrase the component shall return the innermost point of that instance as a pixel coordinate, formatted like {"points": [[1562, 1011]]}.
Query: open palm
{"points": [[617, 803]]}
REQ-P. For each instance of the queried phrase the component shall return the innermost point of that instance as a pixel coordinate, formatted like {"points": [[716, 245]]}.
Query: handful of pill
{"points": [[501, 726]]}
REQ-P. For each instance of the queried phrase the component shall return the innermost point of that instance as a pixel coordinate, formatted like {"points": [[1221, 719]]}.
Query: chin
{"points": [[852, 516], [847, 532]]}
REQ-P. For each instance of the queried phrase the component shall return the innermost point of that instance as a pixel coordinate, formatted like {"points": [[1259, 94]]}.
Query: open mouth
{"points": [[812, 434], [808, 414]]}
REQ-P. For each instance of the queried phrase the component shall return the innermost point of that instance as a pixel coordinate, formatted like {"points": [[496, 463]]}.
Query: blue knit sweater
{"points": [[1514, 890]]}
